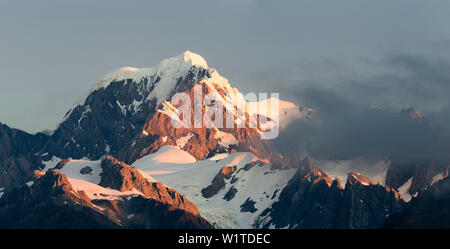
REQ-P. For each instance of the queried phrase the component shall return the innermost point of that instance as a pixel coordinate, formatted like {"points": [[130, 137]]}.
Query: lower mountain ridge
{"points": [[123, 199]]}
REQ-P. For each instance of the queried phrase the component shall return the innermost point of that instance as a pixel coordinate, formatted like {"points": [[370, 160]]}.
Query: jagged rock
{"points": [[367, 203], [218, 183], [248, 206], [230, 194], [17, 143], [234, 179], [312, 200], [203, 142], [120, 176]]}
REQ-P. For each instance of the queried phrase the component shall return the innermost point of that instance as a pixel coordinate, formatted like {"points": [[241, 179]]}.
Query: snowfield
{"points": [[73, 169], [260, 184]]}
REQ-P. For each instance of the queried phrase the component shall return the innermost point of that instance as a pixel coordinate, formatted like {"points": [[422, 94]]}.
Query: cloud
{"points": [[345, 125]]}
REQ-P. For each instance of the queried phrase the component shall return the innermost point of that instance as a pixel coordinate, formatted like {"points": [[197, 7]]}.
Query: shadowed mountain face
{"points": [[110, 117], [91, 182], [428, 211], [17, 155]]}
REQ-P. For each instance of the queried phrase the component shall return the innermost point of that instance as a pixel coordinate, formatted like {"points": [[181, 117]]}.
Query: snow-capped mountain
{"points": [[118, 161], [128, 114]]}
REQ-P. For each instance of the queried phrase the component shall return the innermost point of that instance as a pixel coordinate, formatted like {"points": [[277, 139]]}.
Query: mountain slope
{"points": [[17, 155]]}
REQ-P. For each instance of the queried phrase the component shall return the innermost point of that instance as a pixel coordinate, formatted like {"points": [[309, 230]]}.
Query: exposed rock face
{"points": [[248, 206], [17, 155], [18, 143], [230, 194], [101, 122], [202, 142], [429, 210], [312, 200], [367, 204], [52, 202], [120, 176], [111, 117], [218, 183]]}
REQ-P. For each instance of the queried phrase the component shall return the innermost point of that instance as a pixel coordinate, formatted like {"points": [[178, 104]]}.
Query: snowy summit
{"points": [[171, 67]]}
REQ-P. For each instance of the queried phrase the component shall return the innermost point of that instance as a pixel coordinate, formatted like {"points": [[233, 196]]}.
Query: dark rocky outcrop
{"points": [[218, 183], [429, 210], [149, 213], [230, 194], [86, 170], [368, 204], [248, 206]]}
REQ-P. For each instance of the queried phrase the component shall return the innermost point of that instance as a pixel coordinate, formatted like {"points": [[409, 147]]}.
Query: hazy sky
{"points": [[389, 53]]}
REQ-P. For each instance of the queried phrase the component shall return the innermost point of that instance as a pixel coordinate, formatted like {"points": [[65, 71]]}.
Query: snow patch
{"points": [[182, 141], [259, 183], [437, 178], [404, 190], [73, 170], [94, 191], [226, 139], [165, 155], [50, 164]]}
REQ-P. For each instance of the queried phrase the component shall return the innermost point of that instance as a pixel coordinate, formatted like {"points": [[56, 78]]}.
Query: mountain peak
{"points": [[172, 67], [195, 59], [354, 178]]}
